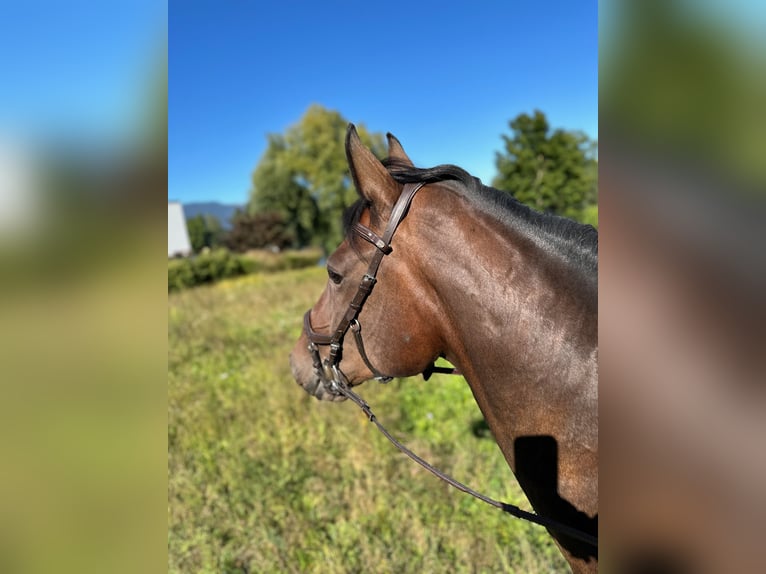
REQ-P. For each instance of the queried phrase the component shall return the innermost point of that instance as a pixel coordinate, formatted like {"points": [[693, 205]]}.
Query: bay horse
{"points": [[506, 294]]}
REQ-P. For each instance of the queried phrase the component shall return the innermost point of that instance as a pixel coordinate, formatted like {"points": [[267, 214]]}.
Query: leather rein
{"points": [[337, 383]]}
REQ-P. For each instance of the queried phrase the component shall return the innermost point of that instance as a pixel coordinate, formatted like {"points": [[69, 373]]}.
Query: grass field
{"points": [[264, 478]]}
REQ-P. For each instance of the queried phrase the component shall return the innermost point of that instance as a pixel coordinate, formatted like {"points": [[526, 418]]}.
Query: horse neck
{"points": [[517, 319]]}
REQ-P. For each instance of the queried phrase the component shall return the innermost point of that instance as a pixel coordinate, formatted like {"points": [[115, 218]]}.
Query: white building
{"points": [[21, 208], [178, 236]]}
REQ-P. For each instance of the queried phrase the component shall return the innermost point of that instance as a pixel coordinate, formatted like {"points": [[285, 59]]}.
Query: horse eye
{"points": [[334, 276]]}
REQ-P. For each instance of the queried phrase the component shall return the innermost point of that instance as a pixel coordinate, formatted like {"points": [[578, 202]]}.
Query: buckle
{"points": [[369, 235]]}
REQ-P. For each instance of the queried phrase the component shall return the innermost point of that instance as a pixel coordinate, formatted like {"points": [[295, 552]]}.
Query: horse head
{"points": [[393, 325]]}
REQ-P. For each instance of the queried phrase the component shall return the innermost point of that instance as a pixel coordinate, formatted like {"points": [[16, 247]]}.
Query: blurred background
{"points": [[83, 183], [681, 313]]}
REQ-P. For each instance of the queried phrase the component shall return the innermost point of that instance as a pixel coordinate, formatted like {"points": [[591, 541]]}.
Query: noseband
{"points": [[329, 368]]}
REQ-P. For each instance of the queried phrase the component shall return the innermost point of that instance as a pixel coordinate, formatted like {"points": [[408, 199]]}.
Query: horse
{"points": [[506, 294]]}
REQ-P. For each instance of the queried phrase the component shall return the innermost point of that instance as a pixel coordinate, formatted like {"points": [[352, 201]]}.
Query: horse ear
{"points": [[371, 179], [396, 151]]}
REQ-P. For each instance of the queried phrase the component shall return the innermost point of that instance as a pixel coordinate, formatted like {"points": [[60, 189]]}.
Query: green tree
{"points": [[551, 171], [204, 231], [196, 228], [215, 231], [303, 175], [277, 188], [266, 229]]}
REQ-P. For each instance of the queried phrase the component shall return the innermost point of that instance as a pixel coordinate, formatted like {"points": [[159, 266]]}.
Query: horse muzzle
{"points": [[319, 382]]}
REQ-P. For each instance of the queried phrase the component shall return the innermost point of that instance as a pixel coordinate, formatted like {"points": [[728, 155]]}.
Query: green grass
{"points": [[264, 478]]}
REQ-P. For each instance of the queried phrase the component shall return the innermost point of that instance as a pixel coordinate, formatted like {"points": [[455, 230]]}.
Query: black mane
{"points": [[578, 243]]}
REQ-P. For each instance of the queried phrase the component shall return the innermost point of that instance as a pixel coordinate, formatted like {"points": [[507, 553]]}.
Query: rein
{"points": [[337, 383], [504, 506]]}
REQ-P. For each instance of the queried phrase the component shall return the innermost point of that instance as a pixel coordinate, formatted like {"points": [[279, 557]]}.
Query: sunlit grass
{"points": [[264, 478]]}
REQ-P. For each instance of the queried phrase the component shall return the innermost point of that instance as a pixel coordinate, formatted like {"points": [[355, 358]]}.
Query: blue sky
{"points": [[78, 69], [444, 77]]}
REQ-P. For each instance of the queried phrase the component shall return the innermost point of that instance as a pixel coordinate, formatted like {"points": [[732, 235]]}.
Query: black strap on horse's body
{"points": [[336, 382]]}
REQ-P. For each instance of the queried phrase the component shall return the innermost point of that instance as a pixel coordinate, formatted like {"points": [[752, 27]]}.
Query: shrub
{"points": [[301, 259], [180, 274], [268, 261], [211, 266], [207, 267]]}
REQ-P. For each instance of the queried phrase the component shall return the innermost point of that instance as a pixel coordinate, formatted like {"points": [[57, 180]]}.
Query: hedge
{"points": [[211, 266]]}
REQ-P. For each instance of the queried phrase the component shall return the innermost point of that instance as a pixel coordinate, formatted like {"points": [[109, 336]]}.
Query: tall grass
{"points": [[264, 478]]}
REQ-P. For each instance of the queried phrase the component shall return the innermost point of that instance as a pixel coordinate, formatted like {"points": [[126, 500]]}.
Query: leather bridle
{"points": [[329, 368]]}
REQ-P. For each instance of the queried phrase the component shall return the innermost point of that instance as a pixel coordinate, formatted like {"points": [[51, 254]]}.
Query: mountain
{"points": [[221, 211]]}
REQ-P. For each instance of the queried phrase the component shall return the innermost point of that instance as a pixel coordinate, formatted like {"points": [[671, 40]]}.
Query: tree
{"points": [[303, 175], [204, 231], [257, 231], [214, 229], [551, 171], [277, 190], [196, 228]]}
